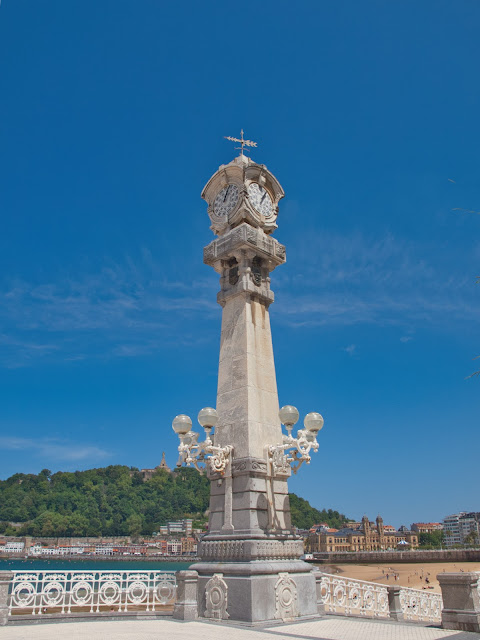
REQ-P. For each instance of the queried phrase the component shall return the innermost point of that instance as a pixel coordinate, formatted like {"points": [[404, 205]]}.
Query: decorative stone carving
{"points": [[223, 550], [251, 235], [233, 271], [240, 174], [257, 271], [285, 598], [280, 250], [216, 598], [280, 463], [244, 236], [244, 466]]}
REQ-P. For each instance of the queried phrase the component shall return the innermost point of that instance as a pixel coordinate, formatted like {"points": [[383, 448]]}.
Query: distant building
{"points": [[459, 527], [388, 528], [178, 527], [14, 547], [426, 527], [451, 527], [174, 547], [366, 538], [470, 524], [319, 528], [189, 546], [148, 473]]}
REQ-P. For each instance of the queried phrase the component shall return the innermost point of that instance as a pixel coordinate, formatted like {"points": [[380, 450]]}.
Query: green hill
{"points": [[115, 501]]}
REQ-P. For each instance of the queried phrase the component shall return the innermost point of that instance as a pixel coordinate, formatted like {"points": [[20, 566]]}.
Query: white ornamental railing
{"points": [[421, 606], [348, 596], [354, 597], [88, 592]]}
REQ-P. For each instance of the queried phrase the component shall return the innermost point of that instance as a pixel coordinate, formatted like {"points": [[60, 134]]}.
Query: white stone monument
{"points": [[250, 568]]}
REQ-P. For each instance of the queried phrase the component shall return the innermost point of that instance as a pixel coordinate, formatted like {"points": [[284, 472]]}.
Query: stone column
{"points": [[461, 601], [186, 607], [396, 611], [5, 579], [250, 568]]}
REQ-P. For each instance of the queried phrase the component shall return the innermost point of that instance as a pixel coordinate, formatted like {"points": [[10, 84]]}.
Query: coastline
{"points": [[100, 558]]}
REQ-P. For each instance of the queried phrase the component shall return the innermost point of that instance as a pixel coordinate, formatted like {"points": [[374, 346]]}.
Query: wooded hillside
{"points": [[115, 501]]}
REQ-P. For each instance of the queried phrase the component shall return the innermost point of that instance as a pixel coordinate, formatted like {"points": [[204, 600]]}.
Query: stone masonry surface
{"points": [[330, 628]]}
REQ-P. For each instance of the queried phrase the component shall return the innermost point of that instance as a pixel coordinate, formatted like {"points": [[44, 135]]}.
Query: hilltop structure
{"points": [[148, 473]]}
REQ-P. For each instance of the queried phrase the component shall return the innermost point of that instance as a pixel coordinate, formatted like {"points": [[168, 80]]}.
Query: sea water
{"points": [[89, 564]]}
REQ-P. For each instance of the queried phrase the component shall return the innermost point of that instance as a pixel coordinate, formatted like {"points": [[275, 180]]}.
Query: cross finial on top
{"points": [[242, 141]]}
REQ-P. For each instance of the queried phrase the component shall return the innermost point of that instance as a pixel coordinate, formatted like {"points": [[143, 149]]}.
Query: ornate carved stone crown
{"points": [[242, 172]]}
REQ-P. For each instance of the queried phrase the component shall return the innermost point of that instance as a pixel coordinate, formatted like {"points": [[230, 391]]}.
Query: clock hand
{"points": [[226, 193], [263, 197]]}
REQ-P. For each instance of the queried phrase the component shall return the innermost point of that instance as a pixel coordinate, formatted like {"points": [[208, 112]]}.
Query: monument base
{"points": [[256, 592]]}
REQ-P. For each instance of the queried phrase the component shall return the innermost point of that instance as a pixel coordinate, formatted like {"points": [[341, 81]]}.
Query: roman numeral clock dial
{"points": [[226, 200], [260, 199]]}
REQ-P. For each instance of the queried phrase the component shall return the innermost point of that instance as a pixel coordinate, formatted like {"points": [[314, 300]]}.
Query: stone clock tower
{"points": [[250, 568]]}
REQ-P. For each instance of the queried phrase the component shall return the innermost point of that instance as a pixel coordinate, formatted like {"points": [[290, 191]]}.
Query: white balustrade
{"points": [[354, 597], [421, 606], [92, 592], [348, 596], [89, 592]]}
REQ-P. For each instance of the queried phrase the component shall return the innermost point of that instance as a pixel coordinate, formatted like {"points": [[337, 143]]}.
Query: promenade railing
{"points": [[38, 593], [420, 606], [353, 597], [349, 597], [117, 593]]}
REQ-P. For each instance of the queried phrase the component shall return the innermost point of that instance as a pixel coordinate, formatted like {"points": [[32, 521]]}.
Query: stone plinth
{"points": [[5, 580], [461, 601], [394, 603], [259, 591], [186, 606]]}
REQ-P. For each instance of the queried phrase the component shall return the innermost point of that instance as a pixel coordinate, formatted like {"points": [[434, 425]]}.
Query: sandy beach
{"points": [[415, 575]]}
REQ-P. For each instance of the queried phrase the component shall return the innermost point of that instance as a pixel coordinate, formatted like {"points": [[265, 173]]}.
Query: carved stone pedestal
{"points": [[257, 592], [186, 603], [461, 601]]}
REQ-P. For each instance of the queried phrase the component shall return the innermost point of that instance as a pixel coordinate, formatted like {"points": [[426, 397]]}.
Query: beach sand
{"points": [[414, 575]]}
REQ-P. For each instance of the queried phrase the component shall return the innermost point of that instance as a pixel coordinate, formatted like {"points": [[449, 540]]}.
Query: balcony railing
{"points": [[347, 596], [353, 597], [91, 592], [421, 606]]}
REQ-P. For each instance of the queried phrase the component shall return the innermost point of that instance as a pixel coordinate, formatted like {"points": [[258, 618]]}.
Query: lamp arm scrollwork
{"points": [[192, 452], [293, 452]]}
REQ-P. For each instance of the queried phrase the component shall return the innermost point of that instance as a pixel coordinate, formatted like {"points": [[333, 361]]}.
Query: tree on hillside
{"points": [[115, 501]]}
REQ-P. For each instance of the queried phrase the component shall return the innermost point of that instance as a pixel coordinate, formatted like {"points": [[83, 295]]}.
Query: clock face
{"points": [[260, 198], [226, 200]]}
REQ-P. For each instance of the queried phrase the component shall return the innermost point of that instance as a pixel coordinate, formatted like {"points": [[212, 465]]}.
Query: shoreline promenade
{"points": [[327, 628]]}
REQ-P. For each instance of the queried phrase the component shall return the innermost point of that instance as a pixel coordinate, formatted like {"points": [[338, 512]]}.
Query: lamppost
{"points": [[291, 452], [193, 452], [295, 451], [250, 567]]}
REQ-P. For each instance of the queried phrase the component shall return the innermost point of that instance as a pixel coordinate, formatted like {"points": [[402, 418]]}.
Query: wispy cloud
{"points": [[347, 280], [137, 308], [351, 349], [54, 449], [121, 310]]}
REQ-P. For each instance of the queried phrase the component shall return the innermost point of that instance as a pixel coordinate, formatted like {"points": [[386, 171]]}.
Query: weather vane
{"points": [[242, 141]]}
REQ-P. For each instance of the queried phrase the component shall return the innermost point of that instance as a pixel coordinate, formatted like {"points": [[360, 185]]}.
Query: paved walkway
{"points": [[330, 628]]}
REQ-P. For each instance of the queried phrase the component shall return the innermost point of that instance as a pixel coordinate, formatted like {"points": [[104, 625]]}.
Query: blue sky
{"points": [[112, 120]]}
